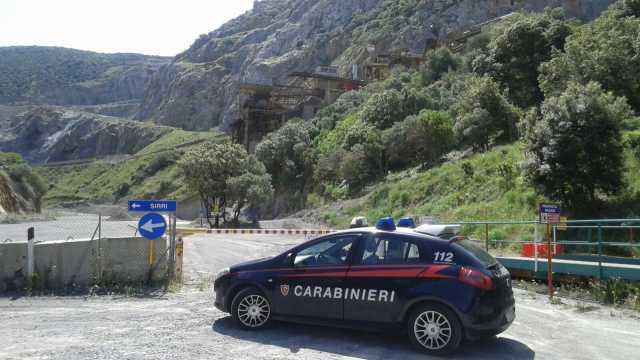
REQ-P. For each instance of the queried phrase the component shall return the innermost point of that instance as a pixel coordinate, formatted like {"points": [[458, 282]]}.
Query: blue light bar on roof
{"points": [[407, 222], [386, 223]]}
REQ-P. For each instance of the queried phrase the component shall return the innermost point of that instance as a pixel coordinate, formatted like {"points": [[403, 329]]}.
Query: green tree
{"points": [[626, 8], [287, 157], [383, 109], [606, 51], [573, 145], [419, 139], [484, 117], [251, 188], [514, 56], [438, 62], [225, 175], [336, 154]]}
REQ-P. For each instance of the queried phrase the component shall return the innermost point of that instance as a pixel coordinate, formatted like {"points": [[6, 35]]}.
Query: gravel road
{"points": [[185, 325]]}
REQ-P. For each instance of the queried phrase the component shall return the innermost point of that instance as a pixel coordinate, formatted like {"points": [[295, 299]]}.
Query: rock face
{"points": [[15, 198], [49, 134], [60, 76], [198, 90]]}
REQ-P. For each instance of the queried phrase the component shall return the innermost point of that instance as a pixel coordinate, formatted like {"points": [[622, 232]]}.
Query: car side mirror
{"points": [[288, 259]]}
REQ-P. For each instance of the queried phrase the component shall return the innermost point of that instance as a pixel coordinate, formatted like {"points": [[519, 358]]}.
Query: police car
{"points": [[439, 287]]}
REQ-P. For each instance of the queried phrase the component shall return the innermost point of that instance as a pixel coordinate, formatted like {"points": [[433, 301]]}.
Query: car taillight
{"points": [[475, 278]]}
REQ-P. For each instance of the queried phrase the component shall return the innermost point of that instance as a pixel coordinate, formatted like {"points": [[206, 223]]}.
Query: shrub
{"points": [[484, 117], [632, 141], [384, 109], [421, 139], [438, 63]]}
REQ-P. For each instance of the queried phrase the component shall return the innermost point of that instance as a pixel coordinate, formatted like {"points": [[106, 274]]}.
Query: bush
{"points": [[438, 63], [347, 104], [632, 141], [8, 159], [484, 117], [384, 109], [613, 292], [421, 139]]}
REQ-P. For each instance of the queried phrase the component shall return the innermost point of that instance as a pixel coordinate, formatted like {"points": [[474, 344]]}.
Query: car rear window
{"points": [[485, 258], [381, 250]]}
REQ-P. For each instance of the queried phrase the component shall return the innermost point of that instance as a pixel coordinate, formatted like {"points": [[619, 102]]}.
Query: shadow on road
{"points": [[363, 345]]}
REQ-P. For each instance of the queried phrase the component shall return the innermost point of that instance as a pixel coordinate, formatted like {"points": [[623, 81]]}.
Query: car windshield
{"points": [[485, 258]]}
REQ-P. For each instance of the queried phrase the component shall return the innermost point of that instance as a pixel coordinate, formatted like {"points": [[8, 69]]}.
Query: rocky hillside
{"points": [[21, 189], [60, 76], [44, 134], [198, 90]]}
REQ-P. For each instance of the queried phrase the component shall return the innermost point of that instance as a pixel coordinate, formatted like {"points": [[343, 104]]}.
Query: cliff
{"points": [[198, 89]]}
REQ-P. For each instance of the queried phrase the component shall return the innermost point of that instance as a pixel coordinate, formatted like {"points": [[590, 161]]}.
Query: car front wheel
{"points": [[435, 329], [251, 309]]}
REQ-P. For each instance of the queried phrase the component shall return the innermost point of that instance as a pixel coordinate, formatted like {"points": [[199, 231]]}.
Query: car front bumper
{"points": [[220, 290]]}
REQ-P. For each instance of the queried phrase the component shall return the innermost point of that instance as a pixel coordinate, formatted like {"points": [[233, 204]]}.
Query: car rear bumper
{"points": [[501, 322]]}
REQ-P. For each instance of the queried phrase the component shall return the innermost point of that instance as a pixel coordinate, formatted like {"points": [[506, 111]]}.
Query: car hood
{"points": [[253, 264]]}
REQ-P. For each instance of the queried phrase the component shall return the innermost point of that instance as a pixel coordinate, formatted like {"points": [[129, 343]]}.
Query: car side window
{"points": [[331, 252], [381, 250]]}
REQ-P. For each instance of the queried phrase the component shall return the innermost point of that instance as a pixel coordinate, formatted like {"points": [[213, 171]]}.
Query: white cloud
{"points": [[143, 26]]}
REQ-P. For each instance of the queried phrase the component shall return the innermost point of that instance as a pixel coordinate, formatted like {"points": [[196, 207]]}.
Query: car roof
{"points": [[398, 231]]}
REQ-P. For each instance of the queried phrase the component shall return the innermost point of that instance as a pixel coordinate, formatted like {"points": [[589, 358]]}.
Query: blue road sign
{"points": [[152, 226], [168, 206], [550, 213]]}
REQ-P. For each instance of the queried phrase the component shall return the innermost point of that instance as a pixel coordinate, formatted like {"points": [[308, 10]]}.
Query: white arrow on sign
{"points": [[136, 205], [150, 226]]}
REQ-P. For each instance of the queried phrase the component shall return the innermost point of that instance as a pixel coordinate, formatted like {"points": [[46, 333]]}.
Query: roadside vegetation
{"points": [[614, 292], [487, 133]]}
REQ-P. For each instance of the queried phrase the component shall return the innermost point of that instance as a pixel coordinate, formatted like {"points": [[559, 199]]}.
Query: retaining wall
{"points": [[75, 263]]}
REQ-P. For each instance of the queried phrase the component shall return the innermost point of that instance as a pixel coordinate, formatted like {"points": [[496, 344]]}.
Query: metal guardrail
{"points": [[593, 238]]}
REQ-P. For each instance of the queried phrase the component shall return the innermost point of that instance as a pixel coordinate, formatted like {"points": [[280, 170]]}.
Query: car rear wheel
{"points": [[251, 309], [435, 329]]}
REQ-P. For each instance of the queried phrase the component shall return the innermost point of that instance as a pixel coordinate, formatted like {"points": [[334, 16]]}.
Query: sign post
{"points": [[153, 225], [30, 254], [549, 215]]}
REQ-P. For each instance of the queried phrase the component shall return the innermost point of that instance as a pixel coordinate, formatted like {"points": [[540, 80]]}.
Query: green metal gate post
{"points": [[486, 237], [600, 251]]}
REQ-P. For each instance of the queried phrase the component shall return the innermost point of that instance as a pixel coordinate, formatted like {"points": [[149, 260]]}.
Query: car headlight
{"points": [[222, 273]]}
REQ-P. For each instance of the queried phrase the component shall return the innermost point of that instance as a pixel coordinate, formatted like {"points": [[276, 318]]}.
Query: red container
{"points": [[528, 250]]}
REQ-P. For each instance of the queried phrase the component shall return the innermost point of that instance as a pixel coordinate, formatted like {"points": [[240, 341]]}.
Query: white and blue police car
{"points": [[439, 287]]}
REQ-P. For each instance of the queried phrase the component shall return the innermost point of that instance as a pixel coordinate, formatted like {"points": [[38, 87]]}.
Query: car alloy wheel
{"points": [[435, 329], [253, 311], [432, 330]]}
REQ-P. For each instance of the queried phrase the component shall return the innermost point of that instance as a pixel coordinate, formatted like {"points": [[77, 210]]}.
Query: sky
{"points": [[153, 27]]}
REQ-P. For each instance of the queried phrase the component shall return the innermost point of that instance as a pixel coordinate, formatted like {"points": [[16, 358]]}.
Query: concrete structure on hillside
{"points": [[265, 108]]}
